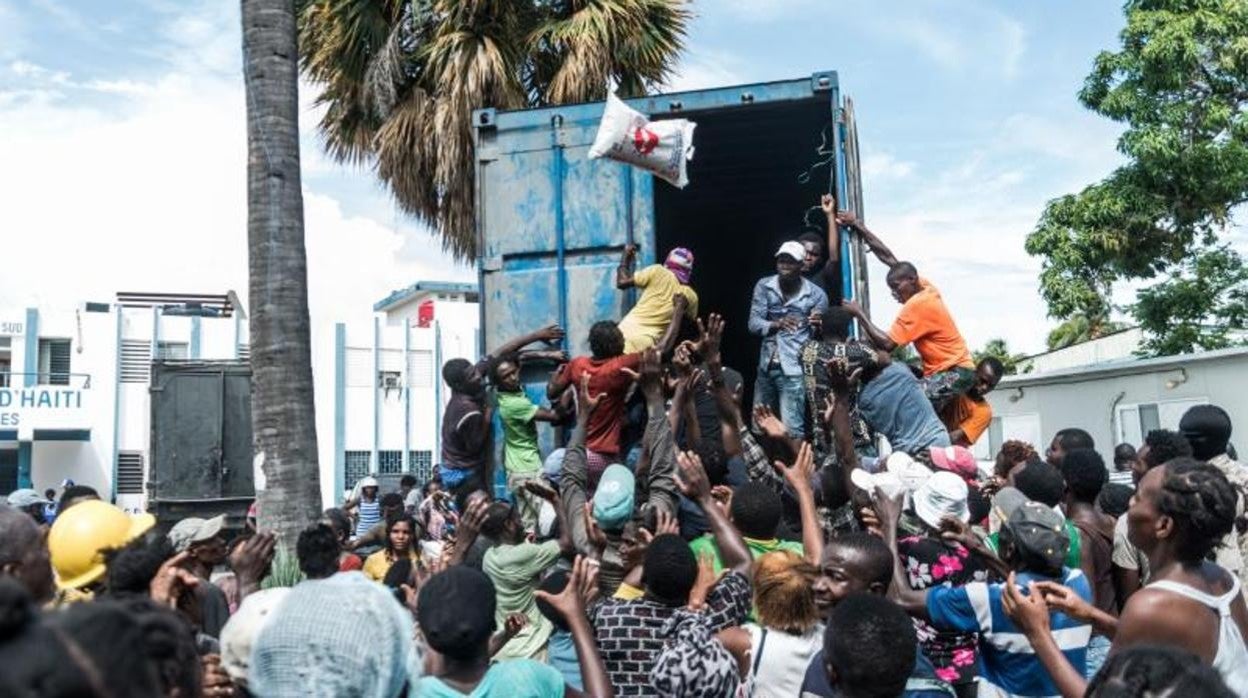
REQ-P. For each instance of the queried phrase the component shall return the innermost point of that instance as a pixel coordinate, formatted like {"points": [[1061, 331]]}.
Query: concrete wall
{"points": [[1105, 402]]}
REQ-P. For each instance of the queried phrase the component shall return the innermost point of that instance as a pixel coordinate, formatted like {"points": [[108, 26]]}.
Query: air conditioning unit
{"points": [[391, 381]]}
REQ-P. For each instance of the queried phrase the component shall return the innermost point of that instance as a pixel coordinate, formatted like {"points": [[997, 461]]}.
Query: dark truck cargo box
{"points": [[201, 450]]}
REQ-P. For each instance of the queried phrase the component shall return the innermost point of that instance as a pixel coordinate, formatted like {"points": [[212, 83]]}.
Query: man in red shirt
{"points": [[609, 371]]}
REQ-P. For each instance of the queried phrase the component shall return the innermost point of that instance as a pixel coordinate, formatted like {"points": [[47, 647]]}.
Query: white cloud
{"points": [[964, 35], [701, 69], [884, 166]]}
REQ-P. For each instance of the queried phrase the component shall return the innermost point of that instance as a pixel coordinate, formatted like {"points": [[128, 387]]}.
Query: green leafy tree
{"points": [[1180, 85], [1175, 314], [1000, 349], [400, 79]]}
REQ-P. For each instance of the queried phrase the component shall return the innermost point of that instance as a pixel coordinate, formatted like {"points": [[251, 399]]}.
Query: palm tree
{"points": [[1082, 328], [1000, 350], [282, 412], [400, 78]]}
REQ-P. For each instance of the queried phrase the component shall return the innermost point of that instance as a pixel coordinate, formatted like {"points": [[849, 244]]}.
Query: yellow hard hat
{"points": [[80, 536]]}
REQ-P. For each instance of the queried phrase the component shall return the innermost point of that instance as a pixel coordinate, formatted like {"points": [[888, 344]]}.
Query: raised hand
{"points": [[770, 424], [474, 516], [705, 581], [682, 363], [1028, 611], [514, 624], [847, 218], [541, 490], [170, 580], [568, 603], [214, 681], [712, 333], [251, 560], [551, 334], [799, 474], [596, 537], [585, 403], [828, 203], [1066, 600], [692, 481]]}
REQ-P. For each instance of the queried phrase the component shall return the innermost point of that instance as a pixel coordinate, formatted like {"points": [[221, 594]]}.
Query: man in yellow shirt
{"points": [[664, 288]]}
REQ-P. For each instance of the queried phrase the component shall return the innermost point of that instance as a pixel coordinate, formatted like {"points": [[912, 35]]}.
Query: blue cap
{"points": [[613, 501]]}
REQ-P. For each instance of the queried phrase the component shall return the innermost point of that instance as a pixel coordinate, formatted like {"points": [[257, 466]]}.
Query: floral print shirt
{"points": [[931, 562]]}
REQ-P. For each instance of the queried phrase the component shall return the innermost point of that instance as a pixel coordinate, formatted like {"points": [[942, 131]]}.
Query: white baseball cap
{"points": [[944, 494], [793, 249]]}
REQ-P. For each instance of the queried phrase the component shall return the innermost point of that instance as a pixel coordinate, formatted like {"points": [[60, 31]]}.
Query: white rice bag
{"points": [[660, 147]]}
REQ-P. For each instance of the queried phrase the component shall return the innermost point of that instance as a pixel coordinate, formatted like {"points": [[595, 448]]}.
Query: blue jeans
{"points": [[1098, 652], [785, 395]]}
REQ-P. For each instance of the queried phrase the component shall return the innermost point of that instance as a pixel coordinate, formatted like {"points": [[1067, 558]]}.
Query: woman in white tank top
{"points": [[1181, 512], [774, 652]]}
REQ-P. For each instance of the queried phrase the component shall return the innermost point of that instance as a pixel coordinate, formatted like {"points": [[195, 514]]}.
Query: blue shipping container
{"points": [[551, 223]]}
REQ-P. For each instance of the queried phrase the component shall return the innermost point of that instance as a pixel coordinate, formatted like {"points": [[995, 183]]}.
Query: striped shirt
{"points": [[370, 515], [1007, 662]]}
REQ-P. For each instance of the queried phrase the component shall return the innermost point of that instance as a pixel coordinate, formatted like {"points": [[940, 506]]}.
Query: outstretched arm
{"points": [[877, 246], [668, 340], [574, 480], [624, 272], [1030, 613], [570, 605], [912, 601], [799, 477], [550, 333], [693, 482], [828, 204], [879, 337]]}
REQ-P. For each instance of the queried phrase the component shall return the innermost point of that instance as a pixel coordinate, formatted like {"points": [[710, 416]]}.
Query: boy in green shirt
{"points": [[755, 511], [521, 458]]}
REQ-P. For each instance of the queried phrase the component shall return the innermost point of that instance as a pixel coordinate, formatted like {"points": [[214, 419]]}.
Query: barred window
{"points": [[421, 465], [389, 462], [356, 466]]}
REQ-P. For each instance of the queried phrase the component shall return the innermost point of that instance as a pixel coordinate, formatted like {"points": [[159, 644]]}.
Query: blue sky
{"points": [[124, 146]]}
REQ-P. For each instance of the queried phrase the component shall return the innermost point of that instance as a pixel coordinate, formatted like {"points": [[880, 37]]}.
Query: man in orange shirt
{"points": [[967, 416], [924, 320]]}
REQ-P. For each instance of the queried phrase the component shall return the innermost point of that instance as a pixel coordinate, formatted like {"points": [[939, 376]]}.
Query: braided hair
{"points": [[1202, 503], [1148, 670]]}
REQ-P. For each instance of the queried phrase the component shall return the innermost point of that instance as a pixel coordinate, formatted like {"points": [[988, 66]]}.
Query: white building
{"points": [[387, 391], [74, 401], [1118, 400]]}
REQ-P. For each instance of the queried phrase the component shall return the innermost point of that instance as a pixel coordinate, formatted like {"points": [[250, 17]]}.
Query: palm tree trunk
{"points": [[282, 411]]}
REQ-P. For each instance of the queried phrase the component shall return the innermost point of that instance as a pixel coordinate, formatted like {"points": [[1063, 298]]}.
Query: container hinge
{"points": [[823, 82]]}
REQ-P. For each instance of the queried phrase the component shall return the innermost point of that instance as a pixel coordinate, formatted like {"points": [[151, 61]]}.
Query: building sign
{"points": [[40, 405], [8, 328]]}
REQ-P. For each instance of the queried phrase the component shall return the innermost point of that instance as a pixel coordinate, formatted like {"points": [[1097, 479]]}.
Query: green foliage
{"points": [[399, 80], [1198, 308], [284, 571], [1000, 349], [1082, 328], [1180, 85]]}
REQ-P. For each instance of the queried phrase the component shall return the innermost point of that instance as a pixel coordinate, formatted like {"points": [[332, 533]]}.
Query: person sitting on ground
{"points": [[466, 463], [456, 613], [780, 312], [338, 636], [666, 297], [340, 523], [400, 545], [924, 320], [869, 648], [1146, 671], [1208, 429], [521, 458], [614, 504], [1131, 568], [632, 633], [858, 563], [611, 374], [968, 415], [1064, 441], [1124, 456], [24, 556], [1033, 544], [772, 654], [1084, 472], [1182, 511]]}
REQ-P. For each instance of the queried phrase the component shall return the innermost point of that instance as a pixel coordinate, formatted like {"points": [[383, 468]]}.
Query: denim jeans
{"points": [[1098, 652], [785, 395]]}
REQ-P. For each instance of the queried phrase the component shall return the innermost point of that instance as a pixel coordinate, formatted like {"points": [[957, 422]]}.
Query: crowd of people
{"points": [[837, 537]]}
